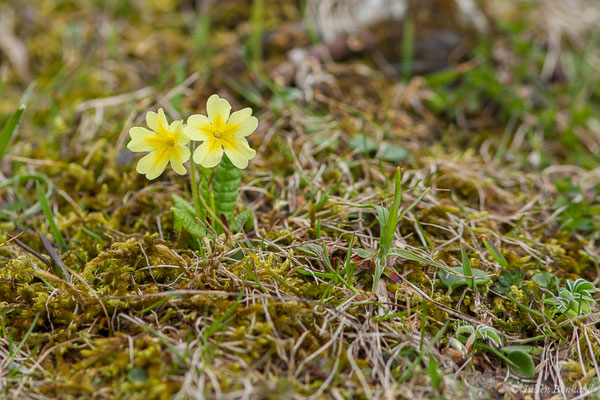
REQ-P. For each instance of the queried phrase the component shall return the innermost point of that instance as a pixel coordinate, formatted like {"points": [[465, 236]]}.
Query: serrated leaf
{"points": [[240, 219], [183, 205], [508, 278], [183, 220], [226, 184]]}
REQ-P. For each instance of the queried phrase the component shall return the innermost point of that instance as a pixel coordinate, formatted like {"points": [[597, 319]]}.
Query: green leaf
{"points": [[387, 227], [495, 252], [523, 364], [48, 214], [508, 278], [414, 257], [9, 129], [226, 185], [363, 144], [183, 205], [490, 334], [523, 347], [452, 281], [183, 220], [13, 122], [466, 266], [243, 218], [434, 374], [546, 280], [465, 329], [393, 153], [580, 286], [363, 253]]}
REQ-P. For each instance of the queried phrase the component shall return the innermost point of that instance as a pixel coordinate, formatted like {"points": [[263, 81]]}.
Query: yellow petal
{"points": [[240, 116], [140, 139], [157, 122], [246, 128], [218, 111], [178, 135], [239, 152], [162, 122], [152, 120], [153, 164], [180, 153], [209, 153], [178, 167], [212, 107], [198, 127]]}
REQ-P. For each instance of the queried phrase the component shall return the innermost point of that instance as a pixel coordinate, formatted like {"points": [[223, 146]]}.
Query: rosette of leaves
{"points": [[575, 299]]}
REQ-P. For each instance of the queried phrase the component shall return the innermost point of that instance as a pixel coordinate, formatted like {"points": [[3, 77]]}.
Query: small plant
{"points": [[575, 299], [223, 152], [485, 333], [469, 338], [388, 221]]}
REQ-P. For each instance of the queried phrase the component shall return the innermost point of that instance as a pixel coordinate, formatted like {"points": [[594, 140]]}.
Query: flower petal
{"points": [[178, 167], [157, 121], [152, 120], [212, 107], [180, 153], [163, 124], [209, 153], [246, 128], [240, 116], [178, 135], [218, 110], [153, 164], [198, 127], [141, 139], [239, 152]]}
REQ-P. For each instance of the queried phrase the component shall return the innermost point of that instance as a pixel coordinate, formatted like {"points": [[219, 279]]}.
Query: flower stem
{"points": [[195, 197]]}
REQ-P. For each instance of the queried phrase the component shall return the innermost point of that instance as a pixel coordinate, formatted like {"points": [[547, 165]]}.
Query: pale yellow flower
{"points": [[164, 142], [221, 132]]}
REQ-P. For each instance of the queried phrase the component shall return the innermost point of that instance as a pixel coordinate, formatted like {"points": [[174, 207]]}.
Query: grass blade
{"points": [[466, 265], [494, 252], [48, 213], [13, 122]]}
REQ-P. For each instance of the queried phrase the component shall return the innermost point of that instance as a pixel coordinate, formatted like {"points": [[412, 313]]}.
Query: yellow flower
{"points": [[220, 132], [164, 142]]}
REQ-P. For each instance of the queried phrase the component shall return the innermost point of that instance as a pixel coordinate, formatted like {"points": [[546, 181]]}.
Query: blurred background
{"points": [[516, 82], [530, 64], [493, 105]]}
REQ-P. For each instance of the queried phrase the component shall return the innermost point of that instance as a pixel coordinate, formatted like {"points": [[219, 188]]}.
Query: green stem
{"points": [[195, 196], [496, 352]]}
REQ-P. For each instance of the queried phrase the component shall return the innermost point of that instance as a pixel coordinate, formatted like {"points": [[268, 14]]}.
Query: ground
{"points": [[491, 160]]}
